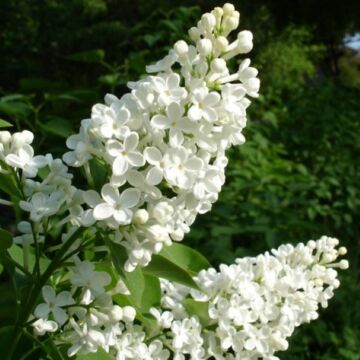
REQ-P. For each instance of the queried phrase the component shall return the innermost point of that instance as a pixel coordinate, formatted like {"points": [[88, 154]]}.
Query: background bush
{"points": [[296, 178]]}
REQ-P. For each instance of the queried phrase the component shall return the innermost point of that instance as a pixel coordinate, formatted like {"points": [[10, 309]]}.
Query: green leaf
{"points": [[151, 295], [135, 282], [92, 56], [17, 254], [166, 269], [8, 185], [118, 257], [6, 240], [101, 354], [58, 126], [144, 288], [14, 109], [4, 124], [185, 257], [14, 97], [198, 308]]}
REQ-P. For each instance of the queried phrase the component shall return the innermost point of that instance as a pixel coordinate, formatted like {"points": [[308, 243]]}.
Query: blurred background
{"points": [[296, 178]]}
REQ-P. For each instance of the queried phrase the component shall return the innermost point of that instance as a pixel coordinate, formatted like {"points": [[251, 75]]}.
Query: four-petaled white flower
{"points": [[175, 122], [53, 305], [181, 168], [85, 276], [168, 87], [125, 154], [25, 160], [203, 105], [114, 123], [116, 205]]}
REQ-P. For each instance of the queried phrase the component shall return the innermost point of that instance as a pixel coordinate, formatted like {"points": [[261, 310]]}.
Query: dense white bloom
{"points": [[167, 137], [163, 147]]}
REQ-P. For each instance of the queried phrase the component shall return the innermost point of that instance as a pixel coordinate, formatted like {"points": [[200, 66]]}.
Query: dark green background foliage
{"points": [[296, 178]]}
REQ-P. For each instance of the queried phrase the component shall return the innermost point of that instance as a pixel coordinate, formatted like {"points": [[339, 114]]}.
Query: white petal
{"points": [[42, 311], [210, 115], [72, 141], [129, 198], [48, 294], [135, 158], [110, 194], [152, 155], [131, 142], [91, 197], [26, 152], [179, 93], [154, 176], [199, 191], [103, 211], [60, 315], [174, 111], [123, 116], [176, 138], [14, 161], [73, 350], [194, 113], [123, 216], [119, 166], [160, 122], [64, 298], [173, 81], [106, 130], [212, 99], [194, 164], [114, 148]]}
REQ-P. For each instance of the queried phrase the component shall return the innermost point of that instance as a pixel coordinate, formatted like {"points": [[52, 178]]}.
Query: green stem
{"points": [[29, 305]]}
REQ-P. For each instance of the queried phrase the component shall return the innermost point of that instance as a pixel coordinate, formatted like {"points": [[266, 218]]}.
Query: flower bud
{"points": [[141, 216], [181, 48], [245, 41], [218, 12], [177, 235], [129, 314], [228, 9], [342, 250], [204, 47], [5, 137], [208, 21], [218, 65], [116, 313], [221, 43], [194, 34]]}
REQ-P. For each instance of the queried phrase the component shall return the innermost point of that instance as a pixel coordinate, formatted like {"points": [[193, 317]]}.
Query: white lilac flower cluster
{"points": [[164, 142], [42, 197], [253, 306], [163, 145]]}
